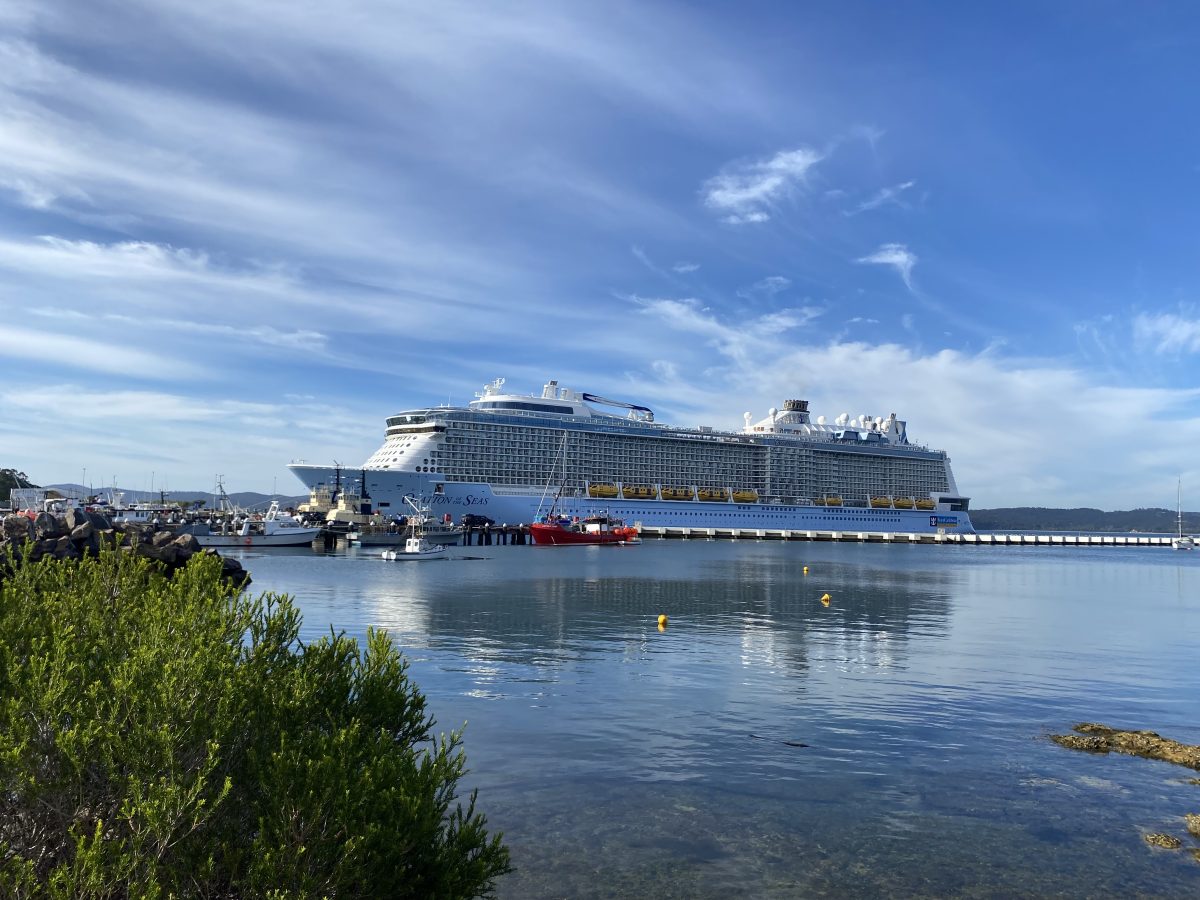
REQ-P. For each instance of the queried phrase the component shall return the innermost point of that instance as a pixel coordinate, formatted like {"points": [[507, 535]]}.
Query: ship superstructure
{"points": [[504, 453]]}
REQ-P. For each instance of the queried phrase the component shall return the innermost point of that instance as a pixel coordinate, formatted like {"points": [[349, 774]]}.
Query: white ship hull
{"points": [[389, 487]]}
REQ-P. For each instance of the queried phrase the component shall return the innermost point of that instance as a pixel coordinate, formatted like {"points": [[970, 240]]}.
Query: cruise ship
{"points": [[511, 456]]}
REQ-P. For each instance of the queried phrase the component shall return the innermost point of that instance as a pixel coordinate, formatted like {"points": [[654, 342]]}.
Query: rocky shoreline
{"points": [[1092, 737], [81, 533]]}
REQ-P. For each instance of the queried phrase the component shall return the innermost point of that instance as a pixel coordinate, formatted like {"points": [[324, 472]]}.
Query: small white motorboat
{"points": [[416, 548]]}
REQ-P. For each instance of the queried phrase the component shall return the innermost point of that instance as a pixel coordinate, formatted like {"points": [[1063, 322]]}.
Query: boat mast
{"points": [[562, 454], [1179, 508]]}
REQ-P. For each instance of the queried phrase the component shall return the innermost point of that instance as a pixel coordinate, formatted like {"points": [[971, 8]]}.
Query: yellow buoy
{"points": [[806, 570], [825, 598], [662, 621]]}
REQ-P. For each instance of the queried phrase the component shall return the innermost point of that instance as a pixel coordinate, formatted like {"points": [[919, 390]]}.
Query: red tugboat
{"points": [[560, 531]]}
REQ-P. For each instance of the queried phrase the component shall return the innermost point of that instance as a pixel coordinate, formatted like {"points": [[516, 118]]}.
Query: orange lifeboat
{"points": [[675, 492]]}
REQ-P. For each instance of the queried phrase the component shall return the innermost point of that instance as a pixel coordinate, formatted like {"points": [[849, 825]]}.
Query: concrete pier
{"points": [[901, 537]]}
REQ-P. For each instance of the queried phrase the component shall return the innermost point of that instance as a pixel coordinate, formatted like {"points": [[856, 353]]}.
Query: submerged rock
{"points": [[1163, 840], [1192, 820], [1096, 738]]}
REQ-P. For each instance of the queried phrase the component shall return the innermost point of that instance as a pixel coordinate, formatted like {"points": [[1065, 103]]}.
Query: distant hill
{"points": [[1035, 518], [246, 499], [1013, 518]]}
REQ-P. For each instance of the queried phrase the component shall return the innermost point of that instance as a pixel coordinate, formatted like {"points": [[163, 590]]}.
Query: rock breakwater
{"points": [[81, 533]]}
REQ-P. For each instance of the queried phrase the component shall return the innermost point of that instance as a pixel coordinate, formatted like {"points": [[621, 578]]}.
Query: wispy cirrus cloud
{"points": [[898, 256], [748, 191], [766, 287], [1167, 333], [685, 268], [297, 339], [87, 354], [882, 197], [739, 338]]}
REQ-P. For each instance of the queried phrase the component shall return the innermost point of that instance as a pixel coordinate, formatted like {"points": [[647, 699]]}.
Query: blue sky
{"points": [[235, 234]]}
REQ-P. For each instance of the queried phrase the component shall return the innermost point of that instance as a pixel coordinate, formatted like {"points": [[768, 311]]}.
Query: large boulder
{"points": [[17, 529], [47, 526]]}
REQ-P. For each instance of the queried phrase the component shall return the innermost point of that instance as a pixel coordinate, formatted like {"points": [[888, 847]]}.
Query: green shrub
{"points": [[173, 737]]}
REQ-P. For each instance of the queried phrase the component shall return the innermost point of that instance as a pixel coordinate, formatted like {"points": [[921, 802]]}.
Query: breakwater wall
{"points": [[81, 533]]}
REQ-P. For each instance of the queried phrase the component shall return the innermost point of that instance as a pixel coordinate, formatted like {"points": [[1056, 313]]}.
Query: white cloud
{"points": [[1167, 333], [881, 197], [129, 433], [766, 287], [685, 268], [739, 337], [898, 256], [981, 408], [61, 349], [748, 191]]}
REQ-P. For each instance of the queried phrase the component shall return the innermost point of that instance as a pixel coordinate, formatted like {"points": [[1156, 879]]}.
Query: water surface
{"points": [[620, 760]]}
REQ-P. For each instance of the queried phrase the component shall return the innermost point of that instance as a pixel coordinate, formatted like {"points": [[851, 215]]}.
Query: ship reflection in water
{"points": [[764, 744]]}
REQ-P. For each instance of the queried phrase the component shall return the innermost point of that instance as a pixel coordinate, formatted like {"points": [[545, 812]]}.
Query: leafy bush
{"points": [[165, 737]]}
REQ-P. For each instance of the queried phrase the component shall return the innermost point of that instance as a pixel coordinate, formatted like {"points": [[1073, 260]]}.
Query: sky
{"points": [[237, 234]]}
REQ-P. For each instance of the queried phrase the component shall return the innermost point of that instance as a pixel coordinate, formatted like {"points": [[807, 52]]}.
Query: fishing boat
{"points": [[417, 545], [274, 529], [416, 548], [1181, 541], [558, 531], [421, 522]]}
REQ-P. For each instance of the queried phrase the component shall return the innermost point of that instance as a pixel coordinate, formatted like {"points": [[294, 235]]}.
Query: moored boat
{"points": [[560, 531], [903, 502], [1181, 541], [274, 529], [416, 548], [745, 495], [713, 494], [881, 502], [602, 489], [926, 503]]}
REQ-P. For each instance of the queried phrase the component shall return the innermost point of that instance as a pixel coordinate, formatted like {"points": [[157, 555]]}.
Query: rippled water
{"points": [[621, 761]]}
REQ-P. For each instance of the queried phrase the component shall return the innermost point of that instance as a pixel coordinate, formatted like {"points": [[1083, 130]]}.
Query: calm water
{"points": [[621, 761]]}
